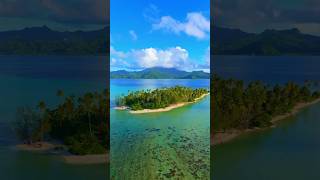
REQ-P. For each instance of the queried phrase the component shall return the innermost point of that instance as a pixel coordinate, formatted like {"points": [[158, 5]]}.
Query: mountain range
{"points": [[159, 73], [228, 41], [45, 41]]}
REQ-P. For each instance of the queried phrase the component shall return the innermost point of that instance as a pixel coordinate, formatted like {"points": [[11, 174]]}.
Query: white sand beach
{"points": [[169, 108]]}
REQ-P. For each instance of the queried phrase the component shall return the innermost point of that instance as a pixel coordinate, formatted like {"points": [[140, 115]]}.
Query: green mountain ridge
{"points": [[159, 73], [45, 41], [270, 42]]}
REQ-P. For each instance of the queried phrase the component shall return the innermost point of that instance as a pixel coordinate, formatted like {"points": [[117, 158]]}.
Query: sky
{"points": [[160, 33], [258, 15], [56, 14]]}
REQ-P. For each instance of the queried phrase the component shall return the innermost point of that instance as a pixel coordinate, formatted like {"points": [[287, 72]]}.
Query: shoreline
{"points": [[223, 137], [44, 146], [86, 159], [169, 108], [60, 151]]}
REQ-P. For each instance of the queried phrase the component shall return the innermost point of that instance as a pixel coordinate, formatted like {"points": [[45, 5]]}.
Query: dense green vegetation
{"points": [[81, 124], [159, 73], [270, 42], [239, 106], [159, 98]]}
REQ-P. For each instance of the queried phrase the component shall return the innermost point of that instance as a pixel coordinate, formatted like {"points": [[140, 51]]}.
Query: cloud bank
{"points": [[195, 25], [173, 57]]}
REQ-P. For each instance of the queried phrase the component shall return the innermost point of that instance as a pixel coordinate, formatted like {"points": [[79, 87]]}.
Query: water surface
{"points": [[24, 82], [163, 145], [288, 151]]}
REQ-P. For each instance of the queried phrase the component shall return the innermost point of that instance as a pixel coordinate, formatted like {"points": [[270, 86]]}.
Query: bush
{"points": [[83, 144], [263, 120]]}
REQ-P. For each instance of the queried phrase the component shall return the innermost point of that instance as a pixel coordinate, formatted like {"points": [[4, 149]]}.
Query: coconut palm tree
{"points": [[87, 103], [43, 108]]}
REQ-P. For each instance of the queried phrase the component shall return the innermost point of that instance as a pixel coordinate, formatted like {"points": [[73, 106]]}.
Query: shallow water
{"points": [[172, 144], [24, 81], [291, 150]]}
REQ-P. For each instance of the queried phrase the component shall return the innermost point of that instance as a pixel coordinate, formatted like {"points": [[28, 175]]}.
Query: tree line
{"points": [[76, 47], [159, 98], [235, 105], [79, 123]]}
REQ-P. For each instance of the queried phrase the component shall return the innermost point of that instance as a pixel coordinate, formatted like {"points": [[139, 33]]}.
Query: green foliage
{"points": [[80, 123], [44, 41], [262, 120], [236, 106], [83, 144], [159, 73], [268, 43], [159, 98]]}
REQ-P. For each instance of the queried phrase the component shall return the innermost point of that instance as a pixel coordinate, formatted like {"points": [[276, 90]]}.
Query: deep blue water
{"points": [[81, 68], [278, 69]]}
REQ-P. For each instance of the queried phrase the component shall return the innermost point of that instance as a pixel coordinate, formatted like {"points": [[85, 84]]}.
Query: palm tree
{"points": [[61, 109], [88, 105], [69, 107], [43, 108]]}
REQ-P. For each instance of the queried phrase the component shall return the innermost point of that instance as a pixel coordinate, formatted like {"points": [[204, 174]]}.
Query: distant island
{"points": [[159, 73], [159, 100], [45, 41], [228, 41], [77, 126], [239, 108]]}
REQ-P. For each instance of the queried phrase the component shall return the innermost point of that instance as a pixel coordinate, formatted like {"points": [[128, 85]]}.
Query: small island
{"points": [[76, 128], [159, 100], [240, 108]]}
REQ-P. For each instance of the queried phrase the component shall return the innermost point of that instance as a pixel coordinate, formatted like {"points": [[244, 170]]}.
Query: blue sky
{"points": [[166, 33]]}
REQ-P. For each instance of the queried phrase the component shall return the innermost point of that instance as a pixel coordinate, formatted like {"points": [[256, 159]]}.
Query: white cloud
{"points": [[169, 24], [205, 65], [133, 34], [118, 63], [196, 25], [151, 13], [174, 57], [118, 54]]}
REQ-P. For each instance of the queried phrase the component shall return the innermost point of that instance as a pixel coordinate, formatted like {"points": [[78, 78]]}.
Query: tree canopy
{"points": [[239, 106], [81, 124], [159, 98]]}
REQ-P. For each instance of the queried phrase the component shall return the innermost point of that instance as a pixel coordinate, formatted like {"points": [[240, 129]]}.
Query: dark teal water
{"points": [[278, 69], [173, 144], [291, 150], [24, 81]]}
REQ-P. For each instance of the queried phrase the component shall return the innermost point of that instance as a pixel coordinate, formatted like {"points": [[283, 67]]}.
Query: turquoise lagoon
{"points": [[174, 144]]}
